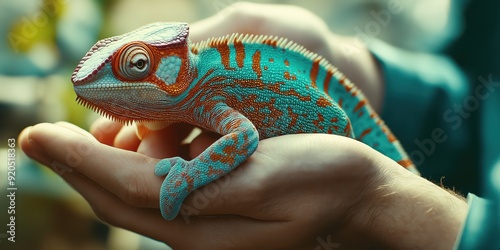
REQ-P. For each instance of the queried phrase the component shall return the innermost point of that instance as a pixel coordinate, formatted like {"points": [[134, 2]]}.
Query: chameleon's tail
{"points": [[368, 127]]}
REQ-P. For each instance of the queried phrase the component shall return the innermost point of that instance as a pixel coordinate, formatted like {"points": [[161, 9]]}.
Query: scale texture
{"points": [[244, 87]]}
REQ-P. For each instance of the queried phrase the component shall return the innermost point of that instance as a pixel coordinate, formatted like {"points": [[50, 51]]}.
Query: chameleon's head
{"points": [[136, 76]]}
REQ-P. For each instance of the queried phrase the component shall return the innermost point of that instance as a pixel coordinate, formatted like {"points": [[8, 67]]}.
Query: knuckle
{"points": [[240, 7], [245, 14], [257, 192], [105, 214], [102, 214]]}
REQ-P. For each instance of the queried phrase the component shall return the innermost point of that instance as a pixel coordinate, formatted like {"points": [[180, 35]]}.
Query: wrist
{"points": [[407, 211]]}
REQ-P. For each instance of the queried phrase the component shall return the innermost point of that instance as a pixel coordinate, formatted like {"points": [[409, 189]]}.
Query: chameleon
{"points": [[244, 87]]}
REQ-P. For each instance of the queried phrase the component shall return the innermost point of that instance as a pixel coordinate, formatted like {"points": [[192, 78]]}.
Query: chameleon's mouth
{"points": [[106, 112], [122, 102]]}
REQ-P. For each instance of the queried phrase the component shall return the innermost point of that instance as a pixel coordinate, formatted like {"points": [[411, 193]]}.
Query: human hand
{"points": [[346, 195], [278, 191], [305, 28]]}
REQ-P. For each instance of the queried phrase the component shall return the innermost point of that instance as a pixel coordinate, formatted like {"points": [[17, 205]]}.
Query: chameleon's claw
{"points": [[142, 128], [175, 187]]}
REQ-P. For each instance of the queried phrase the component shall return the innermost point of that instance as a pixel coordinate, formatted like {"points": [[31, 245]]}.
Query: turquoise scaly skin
{"points": [[244, 87]]}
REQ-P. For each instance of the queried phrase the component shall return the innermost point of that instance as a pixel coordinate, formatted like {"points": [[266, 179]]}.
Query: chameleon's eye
{"points": [[133, 62]]}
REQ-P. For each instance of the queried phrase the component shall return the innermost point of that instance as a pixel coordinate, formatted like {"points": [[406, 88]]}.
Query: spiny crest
{"points": [[274, 41]]}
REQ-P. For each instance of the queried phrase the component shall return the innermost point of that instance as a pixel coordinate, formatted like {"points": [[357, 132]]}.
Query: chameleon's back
{"points": [[284, 89]]}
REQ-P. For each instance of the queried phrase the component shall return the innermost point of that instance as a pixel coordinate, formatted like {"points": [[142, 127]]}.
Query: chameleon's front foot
{"points": [[176, 186]]}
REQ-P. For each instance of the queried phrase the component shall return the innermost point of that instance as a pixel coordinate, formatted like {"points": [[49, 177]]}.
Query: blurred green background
{"points": [[42, 42]]}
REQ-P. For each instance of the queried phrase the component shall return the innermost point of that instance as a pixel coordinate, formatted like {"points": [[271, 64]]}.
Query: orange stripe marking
{"points": [[323, 102], [314, 73], [360, 105], [256, 63], [364, 133], [223, 50], [326, 82], [240, 53], [405, 163]]}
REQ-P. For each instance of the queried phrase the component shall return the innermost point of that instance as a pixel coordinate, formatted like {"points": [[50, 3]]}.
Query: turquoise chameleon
{"points": [[244, 87]]}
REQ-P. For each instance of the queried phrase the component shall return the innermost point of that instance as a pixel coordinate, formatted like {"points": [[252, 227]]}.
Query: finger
{"points": [[201, 142], [114, 211], [111, 208], [105, 130], [31, 147], [166, 142], [127, 139], [128, 175], [232, 232], [210, 232], [268, 19], [236, 18], [75, 128]]}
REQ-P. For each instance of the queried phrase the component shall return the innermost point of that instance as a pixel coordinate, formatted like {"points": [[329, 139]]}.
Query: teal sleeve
{"points": [[417, 85], [426, 107], [480, 230]]}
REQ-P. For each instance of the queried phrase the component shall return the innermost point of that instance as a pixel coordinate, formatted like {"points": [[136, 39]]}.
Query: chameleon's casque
{"points": [[244, 87]]}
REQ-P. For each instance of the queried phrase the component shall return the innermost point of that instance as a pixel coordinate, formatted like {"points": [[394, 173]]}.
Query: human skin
{"points": [[294, 192]]}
